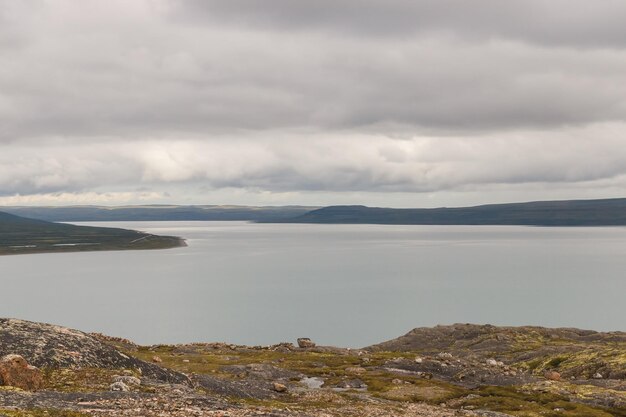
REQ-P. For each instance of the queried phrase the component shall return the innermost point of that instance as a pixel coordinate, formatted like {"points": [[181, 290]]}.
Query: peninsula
{"points": [[19, 235]]}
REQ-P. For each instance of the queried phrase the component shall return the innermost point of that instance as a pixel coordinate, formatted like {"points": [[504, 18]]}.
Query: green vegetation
{"points": [[511, 400], [85, 379], [20, 235], [333, 367]]}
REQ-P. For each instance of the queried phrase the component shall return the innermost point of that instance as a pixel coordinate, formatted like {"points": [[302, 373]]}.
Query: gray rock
{"points": [[351, 384], [305, 342], [312, 382], [262, 371], [246, 388], [49, 346], [127, 380], [119, 386]]}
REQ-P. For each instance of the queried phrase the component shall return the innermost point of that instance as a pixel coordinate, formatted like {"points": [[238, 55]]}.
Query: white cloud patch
{"points": [[266, 101]]}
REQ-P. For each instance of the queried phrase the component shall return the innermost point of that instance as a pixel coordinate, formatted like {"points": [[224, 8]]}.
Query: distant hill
{"points": [[158, 213], [607, 212], [23, 235]]}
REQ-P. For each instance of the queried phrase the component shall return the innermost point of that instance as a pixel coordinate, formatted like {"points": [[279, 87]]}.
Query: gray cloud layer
{"points": [[576, 23], [295, 98]]}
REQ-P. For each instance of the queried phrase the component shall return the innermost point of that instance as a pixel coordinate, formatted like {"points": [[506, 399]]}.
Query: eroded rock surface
{"points": [[466, 370], [49, 346], [16, 372]]}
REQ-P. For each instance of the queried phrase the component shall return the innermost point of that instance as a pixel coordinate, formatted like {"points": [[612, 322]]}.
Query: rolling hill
{"points": [[607, 212], [158, 213]]}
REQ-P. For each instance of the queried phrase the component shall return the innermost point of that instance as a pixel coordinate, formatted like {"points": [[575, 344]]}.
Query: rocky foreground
{"points": [[458, 370]]}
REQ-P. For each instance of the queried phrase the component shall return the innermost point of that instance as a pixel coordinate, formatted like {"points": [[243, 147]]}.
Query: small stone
{"points": [[16, 372], [419, 360], [397, 381], [356, 370], [185, 360], [119, 387], [305, 342], [597, 375], [351, 384], [278, 387], [444, 355], [552, 375], [156, 359], [128, 380]]}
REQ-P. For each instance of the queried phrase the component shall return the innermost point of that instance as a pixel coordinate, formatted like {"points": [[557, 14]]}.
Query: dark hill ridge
{"points": [[607, 212], [24, 235], [159, 213]]}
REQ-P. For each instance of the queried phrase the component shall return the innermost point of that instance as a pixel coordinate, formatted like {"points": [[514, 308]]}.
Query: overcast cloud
{"points": [[385, 102]]}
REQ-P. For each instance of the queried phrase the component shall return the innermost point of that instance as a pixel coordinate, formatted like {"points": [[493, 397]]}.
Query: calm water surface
{"points": [[348, 285]]}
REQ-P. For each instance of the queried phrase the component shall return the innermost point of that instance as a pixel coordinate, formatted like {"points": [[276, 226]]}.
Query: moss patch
{"points": [[81, 380]]}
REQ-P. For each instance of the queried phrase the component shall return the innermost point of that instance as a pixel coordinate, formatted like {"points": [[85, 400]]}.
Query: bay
{"points": [[345, 285]]}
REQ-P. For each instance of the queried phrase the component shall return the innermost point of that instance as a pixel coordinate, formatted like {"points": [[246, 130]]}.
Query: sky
{"points": [[398, 103]]}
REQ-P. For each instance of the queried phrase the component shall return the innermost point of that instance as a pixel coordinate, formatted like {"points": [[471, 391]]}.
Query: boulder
{"points": [[127, 379], [352, 384], [552, 375], [278, 387], [16, 372], [305, 342], [119, 387], [493, 362], [355, 370]]}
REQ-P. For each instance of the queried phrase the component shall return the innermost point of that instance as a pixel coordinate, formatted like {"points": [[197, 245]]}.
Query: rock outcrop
{"points": [[50, 346], [487, 338], [16, 372], [305, 343], [460, 370]]}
